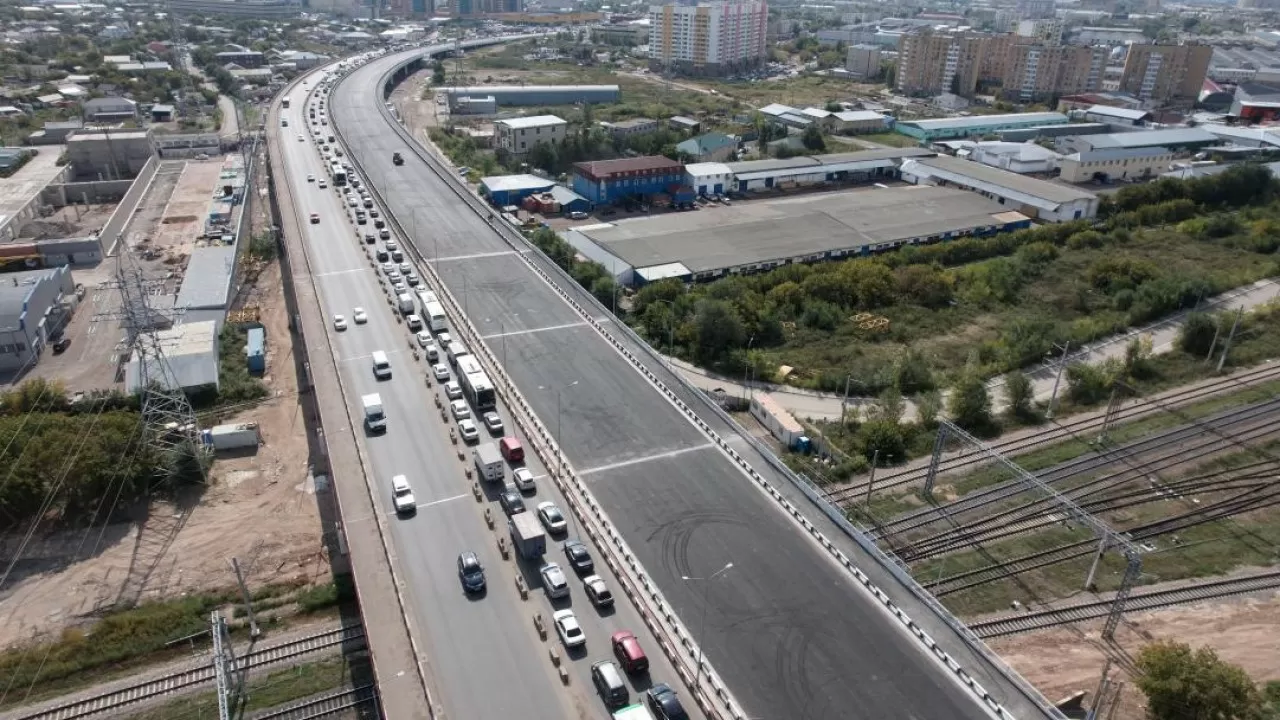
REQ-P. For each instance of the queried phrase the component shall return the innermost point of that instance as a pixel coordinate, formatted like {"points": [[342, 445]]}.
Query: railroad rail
{"points": [[1185, 442], [1059, 431], [326, 705], [195, 676], [1015, 624]]}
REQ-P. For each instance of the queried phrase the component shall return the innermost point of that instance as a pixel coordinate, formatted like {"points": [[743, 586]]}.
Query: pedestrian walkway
{"points": [[1163, 334]]}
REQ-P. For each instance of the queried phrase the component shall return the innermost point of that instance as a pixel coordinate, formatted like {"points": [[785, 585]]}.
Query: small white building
{"points": [[518, 135], [1015, 157], [710, 178], [776, 418], [857, 122]]}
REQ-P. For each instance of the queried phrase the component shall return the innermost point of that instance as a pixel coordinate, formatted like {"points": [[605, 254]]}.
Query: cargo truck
{"points": [[489, 463], [374, 418], [527, 536]]}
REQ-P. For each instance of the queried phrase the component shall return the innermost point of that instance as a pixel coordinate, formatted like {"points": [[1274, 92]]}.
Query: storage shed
{"points": [[256, 351], [776, 418]]}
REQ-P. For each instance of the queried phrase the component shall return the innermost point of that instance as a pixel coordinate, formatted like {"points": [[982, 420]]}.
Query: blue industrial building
{"points": [[610, 181], [509, 95], [256, 351]]}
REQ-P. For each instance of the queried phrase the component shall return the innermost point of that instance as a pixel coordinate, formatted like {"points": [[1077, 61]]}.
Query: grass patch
{"points": [[273, 690], [890, 139]]}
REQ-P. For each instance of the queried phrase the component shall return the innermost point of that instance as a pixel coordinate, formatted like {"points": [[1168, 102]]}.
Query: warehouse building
{"points": [[205, 293], [34, 306], [191, 350], [1112, 164], [861, 166], [758, 236], [609, 181], [1041, 199], [504, 190], [711, 178], [1176, 139], [962, 127], [516, 95]]}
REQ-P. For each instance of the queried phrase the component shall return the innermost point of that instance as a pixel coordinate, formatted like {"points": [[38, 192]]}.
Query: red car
{"points": [[511, 449], [629, 653]]}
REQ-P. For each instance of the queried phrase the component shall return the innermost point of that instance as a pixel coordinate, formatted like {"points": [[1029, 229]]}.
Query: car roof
{"points": [[562, 613]]}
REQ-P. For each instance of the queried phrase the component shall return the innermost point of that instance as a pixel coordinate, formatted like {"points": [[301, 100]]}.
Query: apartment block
{"points": [[1166, 74], [1038, 70], [708, 38], [931, 63], [1048, 31], [863, 61]]}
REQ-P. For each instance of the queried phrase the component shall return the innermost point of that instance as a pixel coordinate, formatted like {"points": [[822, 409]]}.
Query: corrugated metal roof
{"points": [[191, 350], [207, 282], [1150, 138], [606, 168], [934, 125], [531, 122], [1120, 153], [1042, 189], [508, 183], [1119, 112]]}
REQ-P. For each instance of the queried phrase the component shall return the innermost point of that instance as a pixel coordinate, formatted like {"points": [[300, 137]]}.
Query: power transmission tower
{"points": [[229, 683]]}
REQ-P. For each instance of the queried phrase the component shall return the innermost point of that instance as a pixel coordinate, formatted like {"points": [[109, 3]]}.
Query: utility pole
{"points": [[1057, 379], [1226, 347], [871, 482], [844, 401], [254, 630]]}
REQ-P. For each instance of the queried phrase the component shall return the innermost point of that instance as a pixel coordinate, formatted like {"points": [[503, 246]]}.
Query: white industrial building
{"points": [[1020, 158], [191, 350], [1053, 202], [518, 135], [711, 178], [776, 419], [864, 165]]}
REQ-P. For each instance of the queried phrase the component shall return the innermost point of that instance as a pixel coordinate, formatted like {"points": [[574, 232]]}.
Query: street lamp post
{"points": [[559, 452], [702, 624]]}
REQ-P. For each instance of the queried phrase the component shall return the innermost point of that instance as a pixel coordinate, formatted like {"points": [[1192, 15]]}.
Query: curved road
{"points": [[485, 658], [786, 627]]}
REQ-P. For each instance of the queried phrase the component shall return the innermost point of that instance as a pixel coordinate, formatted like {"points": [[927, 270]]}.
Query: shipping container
{"points": [[231, 437], [256, 351]]}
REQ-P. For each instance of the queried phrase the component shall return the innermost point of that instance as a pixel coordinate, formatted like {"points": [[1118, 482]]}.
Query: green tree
{"points": [[1019, 395], [812, 139], [1197, 334], [912, 374], [719, 330], [1185, 684], [928, 407], [884, 437], [605, 289], [970, 404]]}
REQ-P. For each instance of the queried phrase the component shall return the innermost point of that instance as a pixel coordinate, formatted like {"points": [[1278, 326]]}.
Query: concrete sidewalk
{"points": [[826, 406]]}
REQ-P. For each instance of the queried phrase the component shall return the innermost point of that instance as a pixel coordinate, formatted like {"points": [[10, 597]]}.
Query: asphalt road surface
{"points": [[483, 650], [785, 627]]}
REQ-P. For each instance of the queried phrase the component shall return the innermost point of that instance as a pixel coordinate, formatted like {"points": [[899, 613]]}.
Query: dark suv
{"points": [[471, 572]]}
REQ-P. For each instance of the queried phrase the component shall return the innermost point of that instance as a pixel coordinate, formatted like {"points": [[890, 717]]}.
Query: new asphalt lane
{"points": [[787, 629], [484, 655]]}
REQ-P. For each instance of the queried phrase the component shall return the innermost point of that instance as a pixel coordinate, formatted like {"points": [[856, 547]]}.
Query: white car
{"points": [[524, 480], [554, 582], [339, 322], [441, 371], [444, 339], [388, 268], [402, 495], [352, 202], [452, 390], [322, 184], [399, 286], [597, 591], [424, 338], [301, 139], [433, 355], [552, 519], [311, 178], [468, 430], [459, 409], [359, 316], [568, 629]]}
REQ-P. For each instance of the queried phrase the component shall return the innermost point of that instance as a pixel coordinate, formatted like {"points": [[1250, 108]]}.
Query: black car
{"points": [[379, 222], [512, 502], [664, 704], [383, 256], [369, 238], [60, 345], [579, 557], [471, 572]]}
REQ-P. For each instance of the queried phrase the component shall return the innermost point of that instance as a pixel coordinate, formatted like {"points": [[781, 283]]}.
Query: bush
{"points": [[236, 385], [970, 404], [885, 438], [1088, 384], [1020, 396], [1197, 334]]}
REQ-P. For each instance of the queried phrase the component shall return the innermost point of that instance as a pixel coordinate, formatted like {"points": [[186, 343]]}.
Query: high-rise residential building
{"points": [[1035, 9], [1166, 74], [1036, 71], [708, 38], [1048, 31], [863, 61], [932, 63]]}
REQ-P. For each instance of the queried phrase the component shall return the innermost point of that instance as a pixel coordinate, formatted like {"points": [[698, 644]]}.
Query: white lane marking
{"points": [[341, 272], [533, 330], [476, 256], [442, 501], [645, 459]]}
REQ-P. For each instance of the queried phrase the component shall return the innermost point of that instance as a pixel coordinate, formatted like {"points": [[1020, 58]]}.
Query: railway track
{"points": [[1015, 624], [194, 677], [1188, 442], [1059, 431], [326, 705]]}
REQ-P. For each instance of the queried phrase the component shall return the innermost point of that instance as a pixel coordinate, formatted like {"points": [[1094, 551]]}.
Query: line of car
{"points": [[629, 656]]}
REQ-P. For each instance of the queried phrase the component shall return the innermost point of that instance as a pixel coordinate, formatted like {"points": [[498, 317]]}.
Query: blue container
{"points": [[256, 351]]}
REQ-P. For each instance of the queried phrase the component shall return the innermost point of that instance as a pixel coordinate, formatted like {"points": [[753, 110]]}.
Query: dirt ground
{"points": [[1244, 631], [260, 508]]}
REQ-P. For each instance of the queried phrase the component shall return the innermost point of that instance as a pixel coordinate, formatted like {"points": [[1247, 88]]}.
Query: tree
{"points": [[1019, 395], [883, 441], [970, 405], [1185, 684], [812, 139], [719, 330], [928, 406], [1197, 334]]}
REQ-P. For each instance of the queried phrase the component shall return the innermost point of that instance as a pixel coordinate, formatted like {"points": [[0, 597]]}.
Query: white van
{"points": [[381, 365]]}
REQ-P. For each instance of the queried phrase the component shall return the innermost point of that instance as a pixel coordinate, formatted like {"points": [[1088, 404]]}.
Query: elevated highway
{"points": [[791, 630]]}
